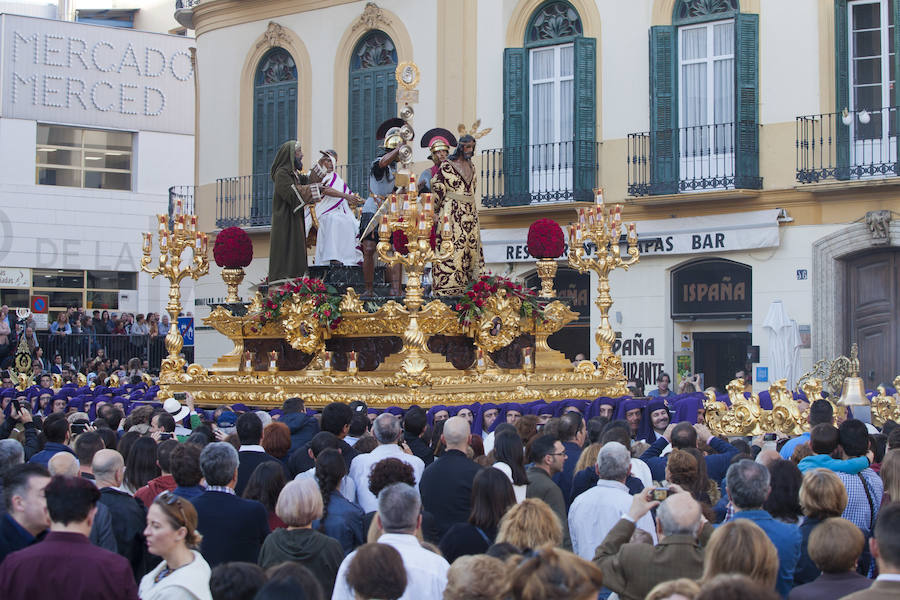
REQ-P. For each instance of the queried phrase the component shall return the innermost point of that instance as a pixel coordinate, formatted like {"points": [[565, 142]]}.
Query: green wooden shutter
{"points": [[515, 127], [664, 168], [746, 97], [373, 100], [274, 122], [585, 112], [842, 88]]}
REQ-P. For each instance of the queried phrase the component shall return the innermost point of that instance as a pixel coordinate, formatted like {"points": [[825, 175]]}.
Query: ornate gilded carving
{"points": [[499, 324], [785, 413], [303, 330], [351, 304]]}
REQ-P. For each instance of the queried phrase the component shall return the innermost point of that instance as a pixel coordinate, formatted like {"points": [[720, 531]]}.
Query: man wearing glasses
{"points": [[548, 456]]}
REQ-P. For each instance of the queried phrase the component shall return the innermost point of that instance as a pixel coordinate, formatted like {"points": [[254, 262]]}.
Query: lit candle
{"points": [[526, 357], [632, 233], [413, 188], [205, 245], [178, 206], [193, 222], [273, 360], [406, 204], [426, 200], [480, 358], [598, 195], [328, 360], [571, 234], [163, 222], [164, 240], [147, 243], [198, 242], [618, 216], [352, 365], [248, 361], [179, 223], [384, 232], [423, 226], [394, 203], [447, 225]]}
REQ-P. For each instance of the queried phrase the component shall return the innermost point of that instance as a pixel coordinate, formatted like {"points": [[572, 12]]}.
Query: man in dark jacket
{"points": [[233, 528], [685, 435], [25, 520], [571, 433], [251, 454], [547, 455], [129, 517], [65, 564], [302, 426], [446, 485], [414, 422], [56, 430]]}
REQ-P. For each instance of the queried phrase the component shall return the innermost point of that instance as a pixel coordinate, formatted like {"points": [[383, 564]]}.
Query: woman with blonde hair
{"points": [[530, 524], [172, 535], [676, 589], [476, 577], [554, 574], [890, 475], [299, 504], [822, 496], [756, 559]]}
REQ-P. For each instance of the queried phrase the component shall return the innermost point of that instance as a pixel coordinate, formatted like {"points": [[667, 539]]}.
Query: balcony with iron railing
{"points": [[246, 200], [539, 174], [722, 156], [184, 12], [845, 146]]}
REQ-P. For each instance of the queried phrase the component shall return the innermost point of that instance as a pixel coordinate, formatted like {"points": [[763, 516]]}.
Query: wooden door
{"points": [[873, 290]]}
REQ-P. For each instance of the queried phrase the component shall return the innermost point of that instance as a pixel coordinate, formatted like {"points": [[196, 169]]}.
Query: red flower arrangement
{"points": [[325, 298], [400, 241], [470, 306], [546, 239], [233, 248]]}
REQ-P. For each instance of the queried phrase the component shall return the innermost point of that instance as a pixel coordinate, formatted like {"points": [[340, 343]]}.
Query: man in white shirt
{"points": [[594, 512], [399, 516], [388, 433]]}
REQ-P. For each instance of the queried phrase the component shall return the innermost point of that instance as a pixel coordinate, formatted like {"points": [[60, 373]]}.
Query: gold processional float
{"points": [[281, 340], [416, 375]]}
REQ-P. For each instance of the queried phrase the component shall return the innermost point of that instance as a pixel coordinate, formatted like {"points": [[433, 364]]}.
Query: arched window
{"points": [[373, 91], [550, 109], [274, 122], [704, 98]]}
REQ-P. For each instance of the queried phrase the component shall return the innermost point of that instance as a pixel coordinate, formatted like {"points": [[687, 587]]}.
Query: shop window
{"points": [[111, 280], [54, 278], [85, 158], [15, 298]]}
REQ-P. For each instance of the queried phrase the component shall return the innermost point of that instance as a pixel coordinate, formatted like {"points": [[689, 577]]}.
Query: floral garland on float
{"points": [[470, 306], [325, 300]]}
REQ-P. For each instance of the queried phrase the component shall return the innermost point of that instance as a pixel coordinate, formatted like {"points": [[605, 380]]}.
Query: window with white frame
{"points": [[872, 56], [552, 81], [706, 88], [85, 158]]}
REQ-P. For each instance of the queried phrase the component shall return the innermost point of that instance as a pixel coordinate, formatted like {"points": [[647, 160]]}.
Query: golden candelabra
{"points": [[414, 217], [602, 229], [172, 244]]}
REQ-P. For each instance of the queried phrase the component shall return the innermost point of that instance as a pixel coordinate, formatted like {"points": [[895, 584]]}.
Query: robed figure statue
{"points": [[287, 242], [454, 189]]}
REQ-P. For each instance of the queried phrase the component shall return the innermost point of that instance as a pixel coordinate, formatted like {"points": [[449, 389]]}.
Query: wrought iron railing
{"points": [[840, 146], [246, 201], [179, 4], [78, 348], [539, 173], [688, 159], [185, 193]]}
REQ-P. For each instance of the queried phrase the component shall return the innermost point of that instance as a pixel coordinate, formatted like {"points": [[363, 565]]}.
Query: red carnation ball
{"points": [[546, 239], [233, 248]]}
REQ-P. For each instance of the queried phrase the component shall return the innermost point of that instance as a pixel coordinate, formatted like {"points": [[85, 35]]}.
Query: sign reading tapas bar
{"points": [[691, 235]]}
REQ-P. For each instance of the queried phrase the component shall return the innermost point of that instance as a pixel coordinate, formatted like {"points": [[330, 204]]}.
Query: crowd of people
{"points": [[108, 493], [88, 341]]}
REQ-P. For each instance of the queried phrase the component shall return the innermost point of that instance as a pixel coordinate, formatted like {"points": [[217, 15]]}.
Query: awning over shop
{"points": [[692, 235]]}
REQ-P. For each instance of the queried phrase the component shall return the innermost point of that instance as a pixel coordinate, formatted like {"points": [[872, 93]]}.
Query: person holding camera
{"points": [[594, 513], [632, 570]]}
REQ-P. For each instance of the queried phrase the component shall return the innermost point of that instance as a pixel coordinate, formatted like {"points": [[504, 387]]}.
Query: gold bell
{"points": [[853, 392]]}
